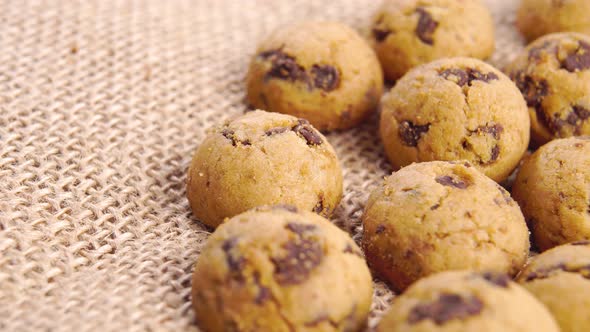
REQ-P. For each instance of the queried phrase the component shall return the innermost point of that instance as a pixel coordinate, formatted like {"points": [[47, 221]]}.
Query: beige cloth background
{"points": [[101, 105]]}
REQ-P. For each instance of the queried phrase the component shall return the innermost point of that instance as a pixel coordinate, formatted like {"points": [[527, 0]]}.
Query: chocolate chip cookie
{"points": [[553, 190], [560, 279], [536, 18], [324, 72], [263, 158], [467, 301], [280, 269], [437, 216], [456, 109], [407, 33], [553, 74]]}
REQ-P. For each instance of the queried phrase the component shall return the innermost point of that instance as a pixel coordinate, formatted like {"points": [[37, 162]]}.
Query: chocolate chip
{"points": [[305, 130], [447, 307], [434, 207], [319, 207], [234, 262], [325, 77], [276, 131], [299, 228], [533, 90], [426, 26], [475, 75], [449, 181], [380, 34], [230, 135], [535, 53], [578, 60], [284, 67], [577, 115], [495, 153], [495, 130], [380, 229], [411, 133], [581, 243], [456, 75], [303, 255], [464, 77], [286, 207], [498, 279], [264, 292]]}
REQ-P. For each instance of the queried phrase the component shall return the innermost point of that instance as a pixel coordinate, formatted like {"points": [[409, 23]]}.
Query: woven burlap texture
{"points": [[101, 105]]}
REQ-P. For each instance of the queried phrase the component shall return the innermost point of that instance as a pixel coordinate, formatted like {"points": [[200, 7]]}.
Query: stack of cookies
{"points": [[443, 230]]}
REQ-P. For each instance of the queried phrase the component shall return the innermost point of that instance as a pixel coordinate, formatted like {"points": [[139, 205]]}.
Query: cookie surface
{"points": [[560, 279], [536, 18], [407, 33], [263, 158], [553, 74], [437, 216], [321, 71], [279, 269], [467, 301], [456, 109], [553, 190]]}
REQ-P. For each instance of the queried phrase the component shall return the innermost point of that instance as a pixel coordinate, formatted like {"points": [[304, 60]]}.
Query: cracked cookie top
{"points": [[261, 158], [553, 189], [324, 72], [279, 268], [536, 18], [456, 109], [425, 218], [467, 301], [560, 278], [407, 33], [553, 74]]}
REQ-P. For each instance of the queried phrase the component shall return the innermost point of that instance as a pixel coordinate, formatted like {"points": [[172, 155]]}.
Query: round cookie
{"points": [[553, 189], [437, 216], [408, 33], [553, 74], [456, 109], [536, 18], [263, 158], [324, 72], [560, 279], [460, 301], [277, 269]]}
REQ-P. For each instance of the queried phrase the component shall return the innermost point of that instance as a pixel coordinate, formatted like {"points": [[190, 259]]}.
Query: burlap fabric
{"points": [[101, 105]]}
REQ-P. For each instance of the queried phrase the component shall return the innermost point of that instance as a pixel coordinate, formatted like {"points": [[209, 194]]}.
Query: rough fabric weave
{"points": [[101, 106]]}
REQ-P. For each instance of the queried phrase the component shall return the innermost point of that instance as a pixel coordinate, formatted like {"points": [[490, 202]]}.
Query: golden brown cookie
{"points": [[536, 18], [437, 216], [553, 74], [408, 33], [560, 279], [553, 190], [460, 301], [277, 269], [262, 158], [456, 109], [321, 71]]}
